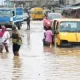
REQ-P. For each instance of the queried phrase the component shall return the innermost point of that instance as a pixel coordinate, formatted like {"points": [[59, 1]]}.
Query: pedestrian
{"points": [[49, 36], [1, 41], [16, 40], [28, 22], [4, 36]]}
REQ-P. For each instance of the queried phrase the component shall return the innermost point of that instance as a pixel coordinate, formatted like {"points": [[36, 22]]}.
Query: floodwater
{"points": [[37, 62]]}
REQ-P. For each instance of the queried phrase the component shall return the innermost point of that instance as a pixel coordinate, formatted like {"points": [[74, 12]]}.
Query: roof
{"points": [[75, 7], [71, 7], [67, 19], [53, 13], [36, 8], [66, 8], [6, 8], [20, 0], [78, 4]]}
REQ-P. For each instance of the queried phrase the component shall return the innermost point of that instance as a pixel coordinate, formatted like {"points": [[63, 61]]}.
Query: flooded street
{"points": [[37, 62]]}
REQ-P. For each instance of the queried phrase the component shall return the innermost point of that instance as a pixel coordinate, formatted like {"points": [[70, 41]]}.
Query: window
{"points": [[70, 26], [5, 13]]}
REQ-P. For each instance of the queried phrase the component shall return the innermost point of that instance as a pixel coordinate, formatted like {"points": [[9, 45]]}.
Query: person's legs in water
{"points": [[16, 53], [1, 48], [6, 48], [28, 26], [16, 48], [50, 44]]}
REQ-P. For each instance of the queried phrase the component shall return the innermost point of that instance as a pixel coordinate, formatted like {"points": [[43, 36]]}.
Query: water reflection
{"points": [[47, 49], [17, 72], [28, 37], [69, 51], [5, 67], [4, 55]]}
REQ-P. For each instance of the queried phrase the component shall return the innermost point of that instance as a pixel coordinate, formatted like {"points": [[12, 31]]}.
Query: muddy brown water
{"points": [[38, 62]]}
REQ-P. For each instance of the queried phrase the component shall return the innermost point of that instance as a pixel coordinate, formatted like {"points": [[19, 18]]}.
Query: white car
{"points": [[47, 21]]}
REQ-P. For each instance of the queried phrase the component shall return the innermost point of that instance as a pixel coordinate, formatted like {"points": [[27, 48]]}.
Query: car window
{"points": [[70, 26], [5, 13]]}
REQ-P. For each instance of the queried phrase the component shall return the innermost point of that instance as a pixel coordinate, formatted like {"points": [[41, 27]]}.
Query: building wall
{"points": [[30, 3], [35, 2], [71, 2]]}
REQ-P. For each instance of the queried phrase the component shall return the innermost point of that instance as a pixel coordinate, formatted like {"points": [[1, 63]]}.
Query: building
{"points": [[71, 2], [18, 3], [32, 3]]}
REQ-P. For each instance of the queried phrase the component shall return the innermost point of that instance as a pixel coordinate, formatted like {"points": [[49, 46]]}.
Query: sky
{"points": [[1, 1]]}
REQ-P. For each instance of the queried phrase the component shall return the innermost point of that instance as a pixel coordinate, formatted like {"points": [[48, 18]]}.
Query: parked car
{"points": [[67, 31], [11, 14], [47, 21]]}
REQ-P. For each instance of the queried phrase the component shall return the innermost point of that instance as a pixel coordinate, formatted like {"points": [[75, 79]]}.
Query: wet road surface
{"points": [[37, 62]]}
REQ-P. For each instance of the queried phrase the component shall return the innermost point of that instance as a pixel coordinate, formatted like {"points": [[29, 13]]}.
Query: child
{"points": [[49, 36]]}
